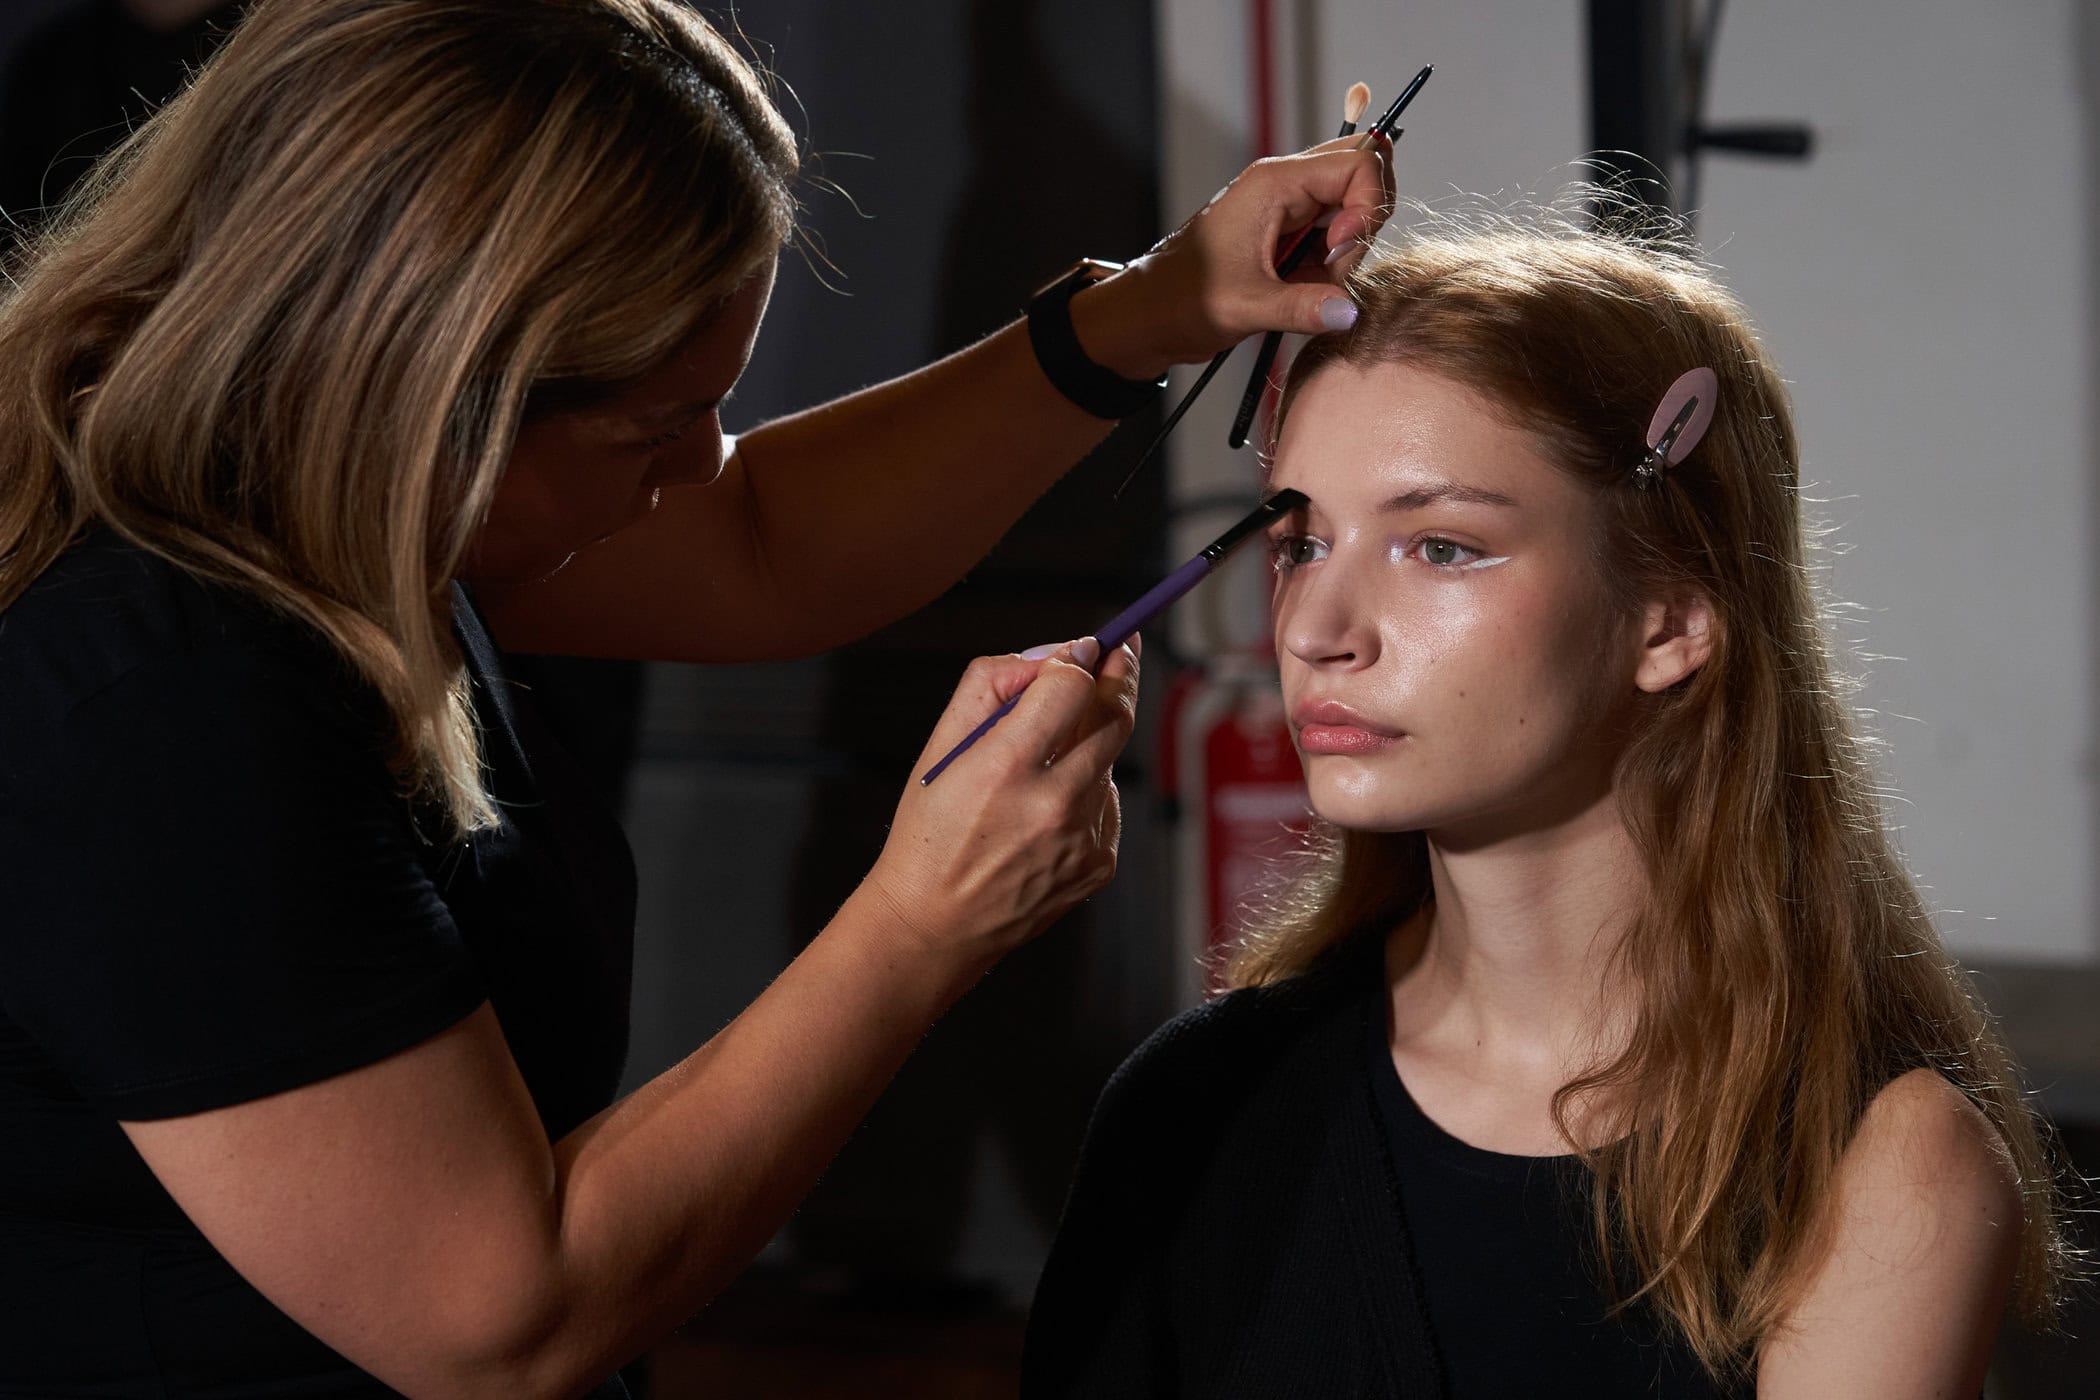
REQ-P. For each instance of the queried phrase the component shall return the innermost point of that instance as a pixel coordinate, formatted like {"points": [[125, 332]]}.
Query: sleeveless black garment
{"points": [[1259, 1211], [1506, 1256]]}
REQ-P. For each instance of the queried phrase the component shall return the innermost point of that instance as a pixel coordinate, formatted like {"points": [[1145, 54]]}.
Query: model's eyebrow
{"points": [[1447, 491]]}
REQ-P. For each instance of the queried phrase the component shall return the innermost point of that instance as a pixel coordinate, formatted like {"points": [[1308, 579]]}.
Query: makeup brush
{"points": [[1306, 240], [1353, 103], [1358, 98], [1119, 628]]}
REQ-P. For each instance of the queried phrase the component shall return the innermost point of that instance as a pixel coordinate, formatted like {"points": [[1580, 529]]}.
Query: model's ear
{"points": [[1677, 635]]}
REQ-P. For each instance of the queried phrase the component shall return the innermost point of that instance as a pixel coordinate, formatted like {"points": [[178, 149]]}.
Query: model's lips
{"points": [[1335, 713], [1330, 727]]}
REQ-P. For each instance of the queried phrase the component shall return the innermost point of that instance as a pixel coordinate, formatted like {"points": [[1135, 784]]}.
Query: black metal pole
{"points": [[1639, 99]]}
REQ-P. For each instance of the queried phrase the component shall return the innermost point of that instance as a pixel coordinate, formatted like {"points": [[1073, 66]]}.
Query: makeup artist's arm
{"points": [[413, 1215], [826, 525]]}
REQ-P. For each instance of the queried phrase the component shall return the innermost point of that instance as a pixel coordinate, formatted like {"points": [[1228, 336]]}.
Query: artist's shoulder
{"points": [[106, 607]]}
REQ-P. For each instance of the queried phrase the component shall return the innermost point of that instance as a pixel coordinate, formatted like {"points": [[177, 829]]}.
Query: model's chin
{"points": [[1357, 801]]}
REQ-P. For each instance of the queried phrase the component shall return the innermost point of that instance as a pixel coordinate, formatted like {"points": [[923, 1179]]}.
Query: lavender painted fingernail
{"points": [[1043, 652], [1338, 313], [1334, 254], [1085, 652]]}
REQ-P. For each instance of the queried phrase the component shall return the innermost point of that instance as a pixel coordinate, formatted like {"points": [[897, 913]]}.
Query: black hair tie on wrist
{"points": [[1095, 388]]}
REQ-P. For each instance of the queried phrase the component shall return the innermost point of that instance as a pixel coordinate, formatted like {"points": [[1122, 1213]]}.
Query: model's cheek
{"points": [[1439, 658]]}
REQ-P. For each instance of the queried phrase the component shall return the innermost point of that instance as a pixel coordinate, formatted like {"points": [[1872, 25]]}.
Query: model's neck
{"points": [[1516, 952]]}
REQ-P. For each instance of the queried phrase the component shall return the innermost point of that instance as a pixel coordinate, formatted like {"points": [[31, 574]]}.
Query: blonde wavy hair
{"points": [[1786, 968], [285, 335]]}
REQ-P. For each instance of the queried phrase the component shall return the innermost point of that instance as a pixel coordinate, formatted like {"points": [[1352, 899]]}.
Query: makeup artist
{"points": [[398, 337]]}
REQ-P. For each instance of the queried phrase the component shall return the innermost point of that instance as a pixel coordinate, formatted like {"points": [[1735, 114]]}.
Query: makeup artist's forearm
{"points": [[668, 1194], [871, 506]]}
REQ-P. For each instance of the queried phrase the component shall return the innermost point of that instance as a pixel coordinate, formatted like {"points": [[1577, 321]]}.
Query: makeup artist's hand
{"points": [[1025, 824], [1212, 282]]}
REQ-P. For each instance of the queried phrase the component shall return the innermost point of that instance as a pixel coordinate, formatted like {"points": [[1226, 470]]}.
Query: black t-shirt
{"points": [[213, 891], [1509, 1267]]}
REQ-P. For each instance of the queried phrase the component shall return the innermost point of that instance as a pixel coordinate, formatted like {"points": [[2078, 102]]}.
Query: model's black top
{"points": [[214, 892], [1260, 1211], [1507, 1257]]}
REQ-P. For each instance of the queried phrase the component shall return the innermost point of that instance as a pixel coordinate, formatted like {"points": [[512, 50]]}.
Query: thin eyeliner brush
{"points": [[1382, 127], [1358, 98]]}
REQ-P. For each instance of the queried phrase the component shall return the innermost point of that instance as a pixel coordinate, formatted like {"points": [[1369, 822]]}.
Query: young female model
{"points": [[1605, 1047], [400, 337]]}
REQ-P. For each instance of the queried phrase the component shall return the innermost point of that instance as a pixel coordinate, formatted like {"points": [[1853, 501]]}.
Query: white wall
{"points": [[1923, 282]]}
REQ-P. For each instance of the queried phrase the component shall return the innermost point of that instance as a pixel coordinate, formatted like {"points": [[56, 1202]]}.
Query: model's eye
{"points": [[1440, 553], [1288, 552]]}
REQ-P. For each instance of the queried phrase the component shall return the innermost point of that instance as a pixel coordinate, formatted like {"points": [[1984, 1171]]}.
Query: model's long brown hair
{"points": [[285, 334], [1783, 965]]}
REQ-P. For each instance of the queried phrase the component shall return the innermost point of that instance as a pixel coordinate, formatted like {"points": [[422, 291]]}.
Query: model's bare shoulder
{"points": [[1916, 1263]]}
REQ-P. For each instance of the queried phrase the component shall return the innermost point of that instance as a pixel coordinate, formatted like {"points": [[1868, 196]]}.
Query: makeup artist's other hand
{"points": [[1025, 824], [1212, 282]]}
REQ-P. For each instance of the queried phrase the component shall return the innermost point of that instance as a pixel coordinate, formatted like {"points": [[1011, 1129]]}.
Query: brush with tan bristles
{"points": [[1358, 98], [1384, 127], [1353, 104]]}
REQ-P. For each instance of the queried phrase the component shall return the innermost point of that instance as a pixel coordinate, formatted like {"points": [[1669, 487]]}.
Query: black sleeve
{"points": [[1102, 1321], [214, 890]]}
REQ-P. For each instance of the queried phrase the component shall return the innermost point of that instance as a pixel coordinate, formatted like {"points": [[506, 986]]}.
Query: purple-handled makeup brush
{"points": [[1123, 624]]}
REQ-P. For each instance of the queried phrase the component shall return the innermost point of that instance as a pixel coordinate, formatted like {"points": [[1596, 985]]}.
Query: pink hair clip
{"points": [[1680, 421]]}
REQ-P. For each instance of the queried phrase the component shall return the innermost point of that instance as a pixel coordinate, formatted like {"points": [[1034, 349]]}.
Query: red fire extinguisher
{"points": [[1243, 808]]}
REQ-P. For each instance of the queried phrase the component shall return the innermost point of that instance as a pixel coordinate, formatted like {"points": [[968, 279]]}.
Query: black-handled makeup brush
{"points": [[1353, 105], [1296, 255]]}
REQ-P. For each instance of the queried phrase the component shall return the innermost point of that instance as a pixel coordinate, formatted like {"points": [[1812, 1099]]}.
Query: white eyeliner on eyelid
{"points": [[1280, 563], [1424, 541]]}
